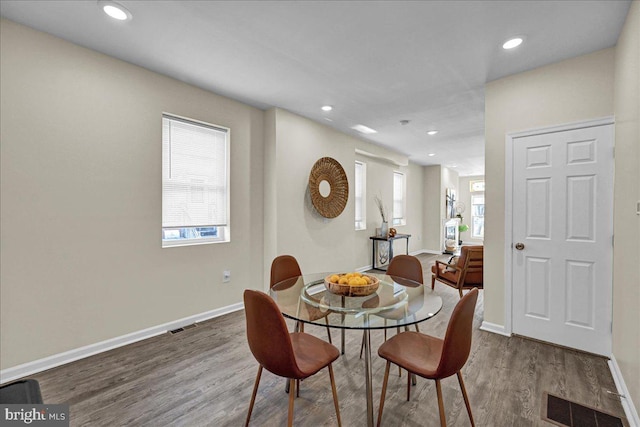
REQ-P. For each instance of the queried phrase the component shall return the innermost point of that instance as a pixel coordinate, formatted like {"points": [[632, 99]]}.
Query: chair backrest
{"points": [[471, 261], [457, 341], [268, 336], [406, 267], [282, 268]]}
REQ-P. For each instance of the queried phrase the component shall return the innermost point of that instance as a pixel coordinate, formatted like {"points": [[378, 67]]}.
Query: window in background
{"points": [[195, 182], [477, 217], [399, 190], [475, 186], [360, 191]]}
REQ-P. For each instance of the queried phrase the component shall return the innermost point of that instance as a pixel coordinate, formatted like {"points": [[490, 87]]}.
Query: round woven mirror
{"points": [[328, 187]]}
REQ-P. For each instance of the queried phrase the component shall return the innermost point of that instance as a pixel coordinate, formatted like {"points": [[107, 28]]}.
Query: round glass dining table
{"points": [[397, 302]]}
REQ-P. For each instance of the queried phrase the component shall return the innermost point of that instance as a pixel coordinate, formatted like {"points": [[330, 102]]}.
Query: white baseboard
{"points": [[625, 398], [493, 328], [40, 365], [425, 251]]}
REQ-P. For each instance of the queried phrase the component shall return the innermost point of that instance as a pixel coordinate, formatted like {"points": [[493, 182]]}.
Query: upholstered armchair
{"points": [[465, 273]]}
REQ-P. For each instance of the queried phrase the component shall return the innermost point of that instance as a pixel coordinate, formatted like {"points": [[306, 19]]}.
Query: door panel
{"points": [[580, 293], [539, 195], [563, 214], [538, 285], [581, 199]]}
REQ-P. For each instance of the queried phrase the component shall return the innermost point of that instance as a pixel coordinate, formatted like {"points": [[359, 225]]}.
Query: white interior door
{"points": [[563, 237]]}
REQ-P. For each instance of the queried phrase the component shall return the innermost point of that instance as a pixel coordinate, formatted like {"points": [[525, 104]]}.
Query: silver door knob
{"points": [[519, 246]]}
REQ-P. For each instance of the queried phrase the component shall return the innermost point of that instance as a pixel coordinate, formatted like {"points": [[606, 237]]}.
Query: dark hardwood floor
{"points": [[203, 376]]}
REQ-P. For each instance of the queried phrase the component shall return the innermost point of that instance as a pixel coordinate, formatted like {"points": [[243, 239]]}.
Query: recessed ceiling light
{"points": [[327, 108], [363, 129], [328, 119], [514, 42], [432, 132], [431, 154], [115, 10], [453, 166]]}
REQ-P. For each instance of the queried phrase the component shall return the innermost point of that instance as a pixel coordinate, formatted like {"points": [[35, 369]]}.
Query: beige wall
{"points": [[572, 90], [433, 208], [322, 244], [80, 203], [464, 195], [626, 265], [81, 199]]}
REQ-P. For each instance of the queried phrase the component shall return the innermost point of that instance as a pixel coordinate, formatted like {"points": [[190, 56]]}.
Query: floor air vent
{"points": [[563, 412], [184, 328]]}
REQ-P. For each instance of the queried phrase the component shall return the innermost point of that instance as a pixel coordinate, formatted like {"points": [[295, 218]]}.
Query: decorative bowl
{"points": [[352, 290]]}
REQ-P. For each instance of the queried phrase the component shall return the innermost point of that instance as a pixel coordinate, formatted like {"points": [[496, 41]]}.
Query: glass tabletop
{"points": [[397, 302]]}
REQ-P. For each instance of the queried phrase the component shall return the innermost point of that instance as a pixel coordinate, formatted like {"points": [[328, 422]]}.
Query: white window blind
{"points": [[360, 195], [398, 199], [195, 186]]}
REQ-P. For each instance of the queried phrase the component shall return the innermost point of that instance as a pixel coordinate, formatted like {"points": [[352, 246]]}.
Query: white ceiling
{"points": [[376, 62]]}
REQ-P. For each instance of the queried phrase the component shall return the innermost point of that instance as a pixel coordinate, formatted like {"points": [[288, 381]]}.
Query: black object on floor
{"points": [[23, 391], [571, 414]]}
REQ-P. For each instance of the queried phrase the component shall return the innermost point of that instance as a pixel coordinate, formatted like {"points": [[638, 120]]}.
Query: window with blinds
{"points": [[360, 190], [399, 199], [195, 182]]}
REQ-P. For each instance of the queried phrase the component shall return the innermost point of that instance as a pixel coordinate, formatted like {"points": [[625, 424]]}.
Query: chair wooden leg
{"points": [[362, 344], [443, 420], [408, 386], [326, 320], [417, 329], [399, 368], [292, 388], [335, 395], [253, 395], [460, 292], [433, 282], [297, 388], [384, 391], [466, 398]]}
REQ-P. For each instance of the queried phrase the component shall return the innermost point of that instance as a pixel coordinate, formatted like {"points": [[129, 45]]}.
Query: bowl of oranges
{"points": [[351, 284]]}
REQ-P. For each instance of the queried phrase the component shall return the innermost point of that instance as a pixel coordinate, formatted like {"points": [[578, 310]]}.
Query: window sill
{"points": [[179, 244]]}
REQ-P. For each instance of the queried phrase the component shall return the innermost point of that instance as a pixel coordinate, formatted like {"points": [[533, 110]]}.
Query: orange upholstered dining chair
{"points": [[291, 355], [465, 273], [431, 357], [286, 267], [402, 267]]}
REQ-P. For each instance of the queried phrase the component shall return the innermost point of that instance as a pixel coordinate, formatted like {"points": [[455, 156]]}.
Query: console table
{"points": [[376, 242]]}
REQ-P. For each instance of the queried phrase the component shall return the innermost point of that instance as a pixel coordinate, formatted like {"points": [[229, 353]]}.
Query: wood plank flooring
{"points": [[204, 376]]}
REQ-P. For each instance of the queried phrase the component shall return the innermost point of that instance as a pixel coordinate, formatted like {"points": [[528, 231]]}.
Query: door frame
{"points": [[508, 203]]}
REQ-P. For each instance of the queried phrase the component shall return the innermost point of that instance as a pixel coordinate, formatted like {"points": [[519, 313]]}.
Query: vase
{"points": [[384, 229]]}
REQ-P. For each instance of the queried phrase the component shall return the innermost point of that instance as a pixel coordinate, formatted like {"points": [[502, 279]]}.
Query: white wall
{"points": [[576, 89], [626, 265], [80, 203]]}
